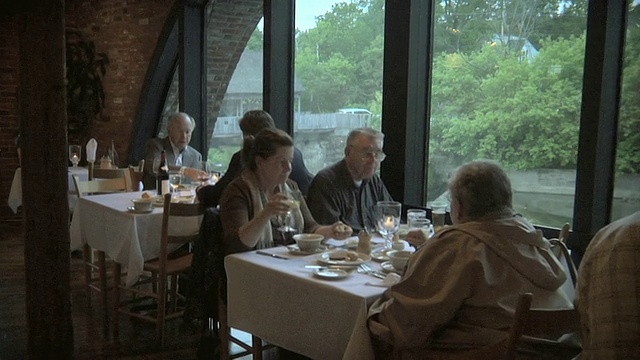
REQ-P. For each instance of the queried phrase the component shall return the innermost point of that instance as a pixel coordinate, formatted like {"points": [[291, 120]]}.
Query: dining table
{"points": [[15, 192], [279, 299], [109, 223]]}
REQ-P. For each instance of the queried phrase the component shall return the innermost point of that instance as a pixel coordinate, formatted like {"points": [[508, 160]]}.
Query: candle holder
{"points": [[74, 155], [388, 220]]}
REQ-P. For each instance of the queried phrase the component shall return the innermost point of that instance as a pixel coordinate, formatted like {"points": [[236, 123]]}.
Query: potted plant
{"points": [[85, 95]]}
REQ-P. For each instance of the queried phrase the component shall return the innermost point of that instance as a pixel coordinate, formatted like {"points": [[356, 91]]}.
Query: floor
{"points": [[137, 340]]}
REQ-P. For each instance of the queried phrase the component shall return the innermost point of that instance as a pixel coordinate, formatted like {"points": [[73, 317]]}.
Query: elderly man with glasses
{"points": [[348, 190]]}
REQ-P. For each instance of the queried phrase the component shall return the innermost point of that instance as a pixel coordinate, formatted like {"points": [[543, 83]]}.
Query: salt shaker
{"points": [[364, 242]]}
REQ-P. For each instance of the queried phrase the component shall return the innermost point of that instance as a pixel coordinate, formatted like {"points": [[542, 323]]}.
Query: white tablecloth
{"points": [[15, 193], [130, 239], [283, 303]]}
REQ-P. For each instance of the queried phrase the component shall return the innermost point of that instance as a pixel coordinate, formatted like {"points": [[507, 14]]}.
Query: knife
{"points": [[272, 255]]}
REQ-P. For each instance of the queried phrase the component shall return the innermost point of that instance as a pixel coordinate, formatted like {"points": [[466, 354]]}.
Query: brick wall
{"points": [[127, 31]]}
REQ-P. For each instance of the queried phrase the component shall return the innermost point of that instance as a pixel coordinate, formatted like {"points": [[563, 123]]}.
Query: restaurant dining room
{"points": [[122, 122]]}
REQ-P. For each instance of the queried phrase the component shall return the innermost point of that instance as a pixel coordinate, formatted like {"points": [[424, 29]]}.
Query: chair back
{"points": [[103, 186], [136, 172], [539, 322], [114, 174], [181, 211]]}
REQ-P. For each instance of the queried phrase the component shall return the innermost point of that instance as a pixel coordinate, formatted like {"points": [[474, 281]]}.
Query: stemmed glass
{"points": [[175, 179], [287, 223], [74, 154], [388, 220]]}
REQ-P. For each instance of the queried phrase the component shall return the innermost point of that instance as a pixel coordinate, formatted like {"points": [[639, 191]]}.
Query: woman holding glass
{"points": [[254, 204]]}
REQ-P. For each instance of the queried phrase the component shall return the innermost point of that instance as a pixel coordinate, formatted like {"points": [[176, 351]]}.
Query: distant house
{"points": [[245, 88], [528, 51]]}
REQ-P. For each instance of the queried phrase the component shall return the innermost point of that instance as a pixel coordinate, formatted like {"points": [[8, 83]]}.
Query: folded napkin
{"points": [[92, 146], [390, 279]]}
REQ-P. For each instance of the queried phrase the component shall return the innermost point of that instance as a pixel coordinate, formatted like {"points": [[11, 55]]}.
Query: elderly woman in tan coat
{"points": [[461, 287]]}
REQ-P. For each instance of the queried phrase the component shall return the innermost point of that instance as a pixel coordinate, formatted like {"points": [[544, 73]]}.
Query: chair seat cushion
{"points": [[174, 266]]}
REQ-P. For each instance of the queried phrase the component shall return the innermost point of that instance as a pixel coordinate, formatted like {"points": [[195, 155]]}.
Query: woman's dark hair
{"points": [[264, 144]]}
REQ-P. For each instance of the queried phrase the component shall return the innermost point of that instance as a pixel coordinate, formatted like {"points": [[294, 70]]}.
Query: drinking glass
{"points": [[74, 154], [388, 220], [206, 167], [155, 166], [175, 179], [415, 214], [287, 223], [438, 213]]}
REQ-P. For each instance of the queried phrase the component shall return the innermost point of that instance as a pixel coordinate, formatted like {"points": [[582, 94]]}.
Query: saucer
{"points": [[331, 274], [335, 257], [387, 268], [136, 211], [295, 250], [380, 254]]}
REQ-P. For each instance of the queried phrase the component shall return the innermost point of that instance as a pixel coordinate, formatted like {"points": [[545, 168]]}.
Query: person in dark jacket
{"points": [[251, 123]]}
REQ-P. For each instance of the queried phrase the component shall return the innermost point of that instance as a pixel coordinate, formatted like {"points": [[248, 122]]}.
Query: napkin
{"points": [[390, 279], [92, 146]]}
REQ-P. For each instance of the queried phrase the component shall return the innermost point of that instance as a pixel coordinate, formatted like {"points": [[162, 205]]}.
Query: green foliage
{"points": [[85, 68], [487, 100]]}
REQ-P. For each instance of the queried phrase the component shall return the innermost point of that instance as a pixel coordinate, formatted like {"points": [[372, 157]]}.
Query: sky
{"points": [[307, 10]]}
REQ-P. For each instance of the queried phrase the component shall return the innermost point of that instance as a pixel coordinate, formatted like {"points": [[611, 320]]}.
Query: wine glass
{"points": [[74, 154], [287, 223], [388, 220], [204, 179], [175, 178], [155, 166]]}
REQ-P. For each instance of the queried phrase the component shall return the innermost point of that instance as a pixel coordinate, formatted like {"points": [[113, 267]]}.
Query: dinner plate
{"points": [[330, 258], [295, 250], [387, 268], [331, 274], [379, 254], [136, 211]]}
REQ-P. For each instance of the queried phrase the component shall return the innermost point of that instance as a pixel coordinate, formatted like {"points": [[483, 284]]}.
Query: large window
{"points": [[507, 85], [338, 78], [626, 198]]}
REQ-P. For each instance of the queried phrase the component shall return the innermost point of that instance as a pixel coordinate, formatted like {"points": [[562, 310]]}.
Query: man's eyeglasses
{"points": [[378, 155]]}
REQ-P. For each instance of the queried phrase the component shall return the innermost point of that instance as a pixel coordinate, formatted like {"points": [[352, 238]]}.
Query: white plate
{"points": [[387, 268], [295, 250], [379, 254], [136, 211], [326, 258], [331, 274], [158, 201]]}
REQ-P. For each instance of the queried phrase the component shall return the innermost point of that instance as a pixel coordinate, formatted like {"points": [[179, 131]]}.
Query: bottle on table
{"points": [[162, 179]]}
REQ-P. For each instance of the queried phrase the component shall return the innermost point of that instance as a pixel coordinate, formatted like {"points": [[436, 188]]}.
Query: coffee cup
{"points": [[308, 242], [142, 204]]}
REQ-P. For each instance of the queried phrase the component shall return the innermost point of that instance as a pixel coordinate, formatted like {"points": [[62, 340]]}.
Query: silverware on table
{"points": [[277, 256], [366, 269]]}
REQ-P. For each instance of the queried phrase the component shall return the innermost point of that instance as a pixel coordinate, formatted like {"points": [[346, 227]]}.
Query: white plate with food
{"points": [[343, 257], [388, 268], [331, 274], [295, 250], [136, 211]]}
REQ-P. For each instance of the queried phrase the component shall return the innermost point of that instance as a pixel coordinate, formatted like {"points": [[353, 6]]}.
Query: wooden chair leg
{"points": [[102, 266], [115, 317], [223, 331], [162, 303], [86, 257], [173, 305]]}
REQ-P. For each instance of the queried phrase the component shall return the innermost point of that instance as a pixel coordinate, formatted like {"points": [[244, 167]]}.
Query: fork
{"points": [[366, 269]]}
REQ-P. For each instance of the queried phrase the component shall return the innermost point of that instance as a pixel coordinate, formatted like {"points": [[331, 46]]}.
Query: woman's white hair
{"points": [[482, 187]]}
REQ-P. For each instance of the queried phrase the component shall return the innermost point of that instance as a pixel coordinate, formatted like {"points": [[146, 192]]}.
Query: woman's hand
{"points": [[340, 231], [277, 205]]}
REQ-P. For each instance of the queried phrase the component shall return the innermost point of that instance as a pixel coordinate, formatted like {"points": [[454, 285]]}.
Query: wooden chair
{"points": [[527, 323], [209, 292], [166, 266], [97, 263], [114, 174], [135, 173]]}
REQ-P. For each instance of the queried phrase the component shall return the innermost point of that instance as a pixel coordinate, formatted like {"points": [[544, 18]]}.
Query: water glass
{"points": [[74, 154], [388, 220], [175, 179], [438, 213], [414, 214]]}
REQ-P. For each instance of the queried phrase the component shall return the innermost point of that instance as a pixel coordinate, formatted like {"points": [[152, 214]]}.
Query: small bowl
{"points": [[142, 204], [308, 242], [399, 258]]}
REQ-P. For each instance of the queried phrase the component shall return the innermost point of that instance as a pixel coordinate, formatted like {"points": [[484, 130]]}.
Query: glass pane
{"points": [[233, 81], [338, 78], [171, 103], [626, 194], [507, 82]]}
